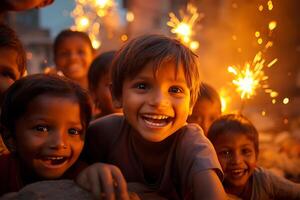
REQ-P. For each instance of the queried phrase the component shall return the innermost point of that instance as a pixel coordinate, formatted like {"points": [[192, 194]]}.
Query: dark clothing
{"points": [[11, 179], [112, 140]]}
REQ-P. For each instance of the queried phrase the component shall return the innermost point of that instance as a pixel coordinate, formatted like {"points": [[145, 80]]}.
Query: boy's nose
{"points": [[235, 158], [159, 99], [58, 140]]}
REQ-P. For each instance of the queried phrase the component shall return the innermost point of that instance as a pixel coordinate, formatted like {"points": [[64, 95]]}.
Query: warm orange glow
{"points": [[286, 100], [250, 77], [129, 16], [184, 28], [272, 25], [88, 16]]}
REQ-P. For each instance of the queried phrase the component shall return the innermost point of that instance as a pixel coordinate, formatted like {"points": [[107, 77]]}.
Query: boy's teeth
{"points": [[54, 158], [155, 124], [156, 116]]}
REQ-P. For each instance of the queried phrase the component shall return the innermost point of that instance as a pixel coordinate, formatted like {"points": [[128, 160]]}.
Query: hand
{"points": [[104, 181]]}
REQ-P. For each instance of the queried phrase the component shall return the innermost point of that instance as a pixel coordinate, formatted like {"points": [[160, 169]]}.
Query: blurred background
{"points": [[223, 33]]}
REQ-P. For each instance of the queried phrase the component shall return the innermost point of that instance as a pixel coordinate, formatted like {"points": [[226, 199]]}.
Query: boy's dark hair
{"points": [[24, 90], [233, 123], [69, 33], [156, 49], [209, 93], [99, 68], [10, 40]]}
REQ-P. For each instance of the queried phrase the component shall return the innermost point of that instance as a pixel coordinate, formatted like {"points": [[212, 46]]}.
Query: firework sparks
{"points": [[87, 16], [184, 28], [251, 76]]}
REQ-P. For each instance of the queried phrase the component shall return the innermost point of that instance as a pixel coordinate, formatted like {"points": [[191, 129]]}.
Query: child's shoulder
{"points": [[192, 130], [108, 121]]}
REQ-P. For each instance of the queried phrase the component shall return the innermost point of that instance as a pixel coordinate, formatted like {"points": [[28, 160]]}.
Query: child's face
{"points": [[204, 113], [49, 136], [9, 71], [102, 96], [157, 106], [236, 153], [73, 57]]}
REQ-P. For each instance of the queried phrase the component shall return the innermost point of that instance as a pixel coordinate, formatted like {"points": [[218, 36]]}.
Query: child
{"points": [[207, 108], [44, 119], [156, 81], [100, 84], [236, 142], [73, 54], [12, 63]]}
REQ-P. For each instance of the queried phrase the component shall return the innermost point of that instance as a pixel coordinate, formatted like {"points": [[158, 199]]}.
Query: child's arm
{"points": [[104, 181], [207, 185]]}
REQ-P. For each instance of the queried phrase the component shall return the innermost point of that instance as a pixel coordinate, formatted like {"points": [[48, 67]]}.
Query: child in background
{"points": [[207, 107], [236, 142], [156, 81], [12, 64], [44, 120], [100, 84], [73, 54]]}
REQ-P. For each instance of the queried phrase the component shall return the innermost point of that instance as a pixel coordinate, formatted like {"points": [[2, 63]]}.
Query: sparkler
{"points": [[184, 28], [251, 76], [87, 16]]}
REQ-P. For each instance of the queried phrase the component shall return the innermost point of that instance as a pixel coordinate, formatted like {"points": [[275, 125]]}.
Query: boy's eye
{"points": [[224, 153], [175, 89], [42, 128], [247, 152], [141, 86], [74, 131]]}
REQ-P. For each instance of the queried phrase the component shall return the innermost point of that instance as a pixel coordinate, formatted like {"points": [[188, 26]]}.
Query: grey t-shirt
{"points": [[268, 186], [111, 139]]}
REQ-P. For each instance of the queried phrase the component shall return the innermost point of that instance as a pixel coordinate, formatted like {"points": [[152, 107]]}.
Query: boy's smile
{"points": [[49, 137], [236, 153], [74, 57], [157, 105]]}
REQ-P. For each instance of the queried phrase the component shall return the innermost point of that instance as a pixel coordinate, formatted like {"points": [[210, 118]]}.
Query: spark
{"points": [[250, 77], [184, 28], [88, 16], [286, 100]]}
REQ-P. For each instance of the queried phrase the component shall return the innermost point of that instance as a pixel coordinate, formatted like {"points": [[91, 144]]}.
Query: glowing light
{"points": [[260, 41], [124, 37], [260, 8], [88, 16], [184, 28], [129, 16], [249, 77], [263, 113], [285, 121], [234, 37], [286, 100], [270, 5], [257, 34], [194, 45], [273, 101], [225, 100], [272, 25], [272, 62]]}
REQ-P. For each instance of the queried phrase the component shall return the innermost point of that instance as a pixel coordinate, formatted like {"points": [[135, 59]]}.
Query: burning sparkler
{"points": [[184, 28], [251, 76], [87, 16]]}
